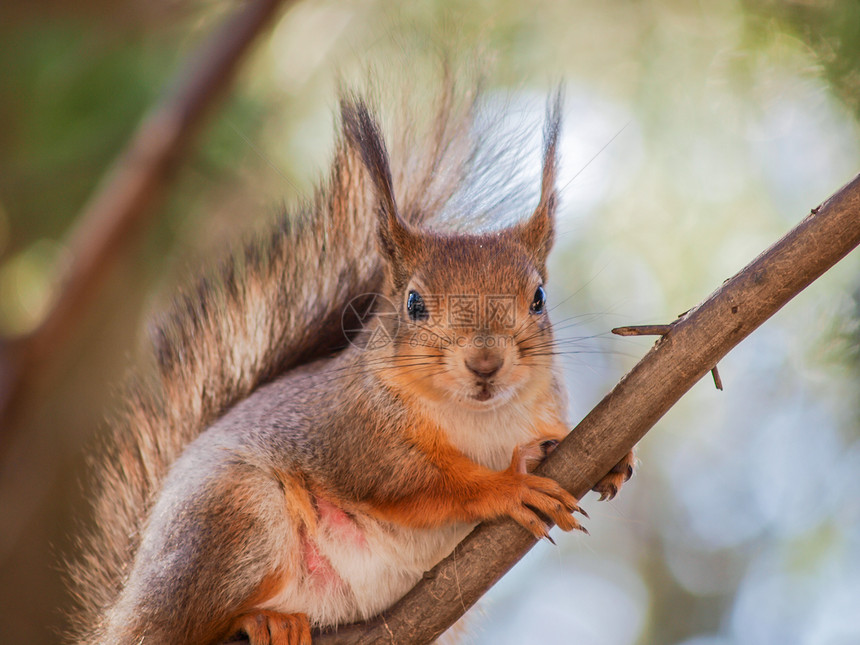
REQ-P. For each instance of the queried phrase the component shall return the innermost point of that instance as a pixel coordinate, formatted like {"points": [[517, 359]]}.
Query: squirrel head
{"points": [[471, 311]]}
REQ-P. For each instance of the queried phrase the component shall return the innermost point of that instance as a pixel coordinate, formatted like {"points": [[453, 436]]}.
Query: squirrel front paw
{"points": [[609, 486], [540, 493], [265, 627]]}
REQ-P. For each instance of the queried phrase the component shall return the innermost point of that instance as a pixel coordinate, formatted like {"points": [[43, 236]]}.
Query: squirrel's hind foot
{"points": [[265, 627], [609, 486]]}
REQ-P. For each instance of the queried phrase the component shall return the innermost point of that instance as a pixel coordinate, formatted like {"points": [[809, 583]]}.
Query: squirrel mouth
{"points": [[484, 394]]}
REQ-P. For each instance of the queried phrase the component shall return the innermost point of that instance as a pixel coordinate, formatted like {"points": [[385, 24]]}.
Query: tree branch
{"points": [[690, 349], [128, 194]]}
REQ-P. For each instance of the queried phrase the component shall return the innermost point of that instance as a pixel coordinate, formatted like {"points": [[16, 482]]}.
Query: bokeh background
{"points": [[696, 133]]}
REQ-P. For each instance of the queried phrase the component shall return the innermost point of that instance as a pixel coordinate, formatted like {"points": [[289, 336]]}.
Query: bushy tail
{"points": [[274, 305]]}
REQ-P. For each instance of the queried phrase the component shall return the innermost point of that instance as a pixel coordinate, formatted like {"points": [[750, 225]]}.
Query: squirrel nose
{"points": [[484, 365]]}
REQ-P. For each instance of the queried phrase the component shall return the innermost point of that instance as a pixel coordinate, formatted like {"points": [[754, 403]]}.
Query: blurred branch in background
{"points": [[695, 343], [127, 196]]}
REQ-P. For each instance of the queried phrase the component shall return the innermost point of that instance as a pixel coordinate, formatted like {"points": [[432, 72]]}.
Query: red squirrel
{"points": [[269, 480]]}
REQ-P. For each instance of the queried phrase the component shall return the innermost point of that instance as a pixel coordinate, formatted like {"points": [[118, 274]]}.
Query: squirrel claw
{"points": [[545, 496], [528, 456], [608, 491], [548, 446]]}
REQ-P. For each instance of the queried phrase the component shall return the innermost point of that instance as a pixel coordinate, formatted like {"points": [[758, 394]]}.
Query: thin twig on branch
{"points": [[661, 330], [642, 330], [128, 194], [696, 342], [718, 381]]}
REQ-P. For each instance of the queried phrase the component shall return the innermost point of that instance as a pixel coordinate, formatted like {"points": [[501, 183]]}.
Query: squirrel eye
{"points": [[539, 302], [415, 306]]}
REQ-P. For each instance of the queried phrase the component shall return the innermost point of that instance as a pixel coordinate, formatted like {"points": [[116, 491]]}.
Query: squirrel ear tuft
{"points": [[538, 232], [364, 136]]}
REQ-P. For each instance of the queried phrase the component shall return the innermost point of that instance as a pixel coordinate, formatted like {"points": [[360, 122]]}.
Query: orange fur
{"points": [[298, 500], [461, 490]]}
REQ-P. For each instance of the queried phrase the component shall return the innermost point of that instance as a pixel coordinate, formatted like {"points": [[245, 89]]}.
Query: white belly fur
{"points": [[354, 572]]}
